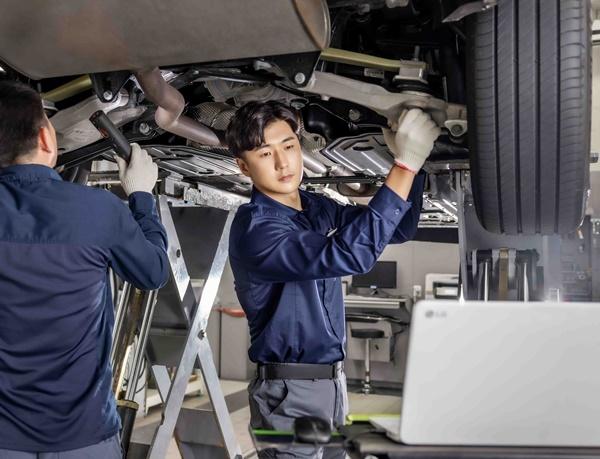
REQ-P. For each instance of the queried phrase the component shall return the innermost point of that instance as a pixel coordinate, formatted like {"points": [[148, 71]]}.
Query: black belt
{"points": [[299, 370]]}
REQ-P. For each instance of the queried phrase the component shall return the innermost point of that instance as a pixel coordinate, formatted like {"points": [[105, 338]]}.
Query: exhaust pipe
{"points": [[170, 104]]}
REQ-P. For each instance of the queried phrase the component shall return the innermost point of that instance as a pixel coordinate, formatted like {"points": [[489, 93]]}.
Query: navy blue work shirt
{"points": [[287, 266], [57, 241]]}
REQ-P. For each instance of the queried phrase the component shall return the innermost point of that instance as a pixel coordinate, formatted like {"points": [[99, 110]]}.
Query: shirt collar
{"points": [[262, 199], [30, 172]]}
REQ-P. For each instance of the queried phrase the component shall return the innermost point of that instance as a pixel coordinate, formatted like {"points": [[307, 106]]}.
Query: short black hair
{"points": [[21, 117], [246, 129]]}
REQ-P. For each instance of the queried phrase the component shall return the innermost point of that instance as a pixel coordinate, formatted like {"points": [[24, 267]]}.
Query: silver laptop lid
{"points": [[505, 373]]}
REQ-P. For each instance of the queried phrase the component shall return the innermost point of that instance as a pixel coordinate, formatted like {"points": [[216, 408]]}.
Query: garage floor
{"points": [[359, 403]]}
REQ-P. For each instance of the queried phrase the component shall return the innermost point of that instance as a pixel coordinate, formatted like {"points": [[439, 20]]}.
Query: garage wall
{"points": [[596, 98], [415, 259], [229, 335], [595, 141], [226, 295], [595, 197]]}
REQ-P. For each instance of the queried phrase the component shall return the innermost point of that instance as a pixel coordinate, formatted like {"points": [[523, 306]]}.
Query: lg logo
{"points": [[430, 313]]}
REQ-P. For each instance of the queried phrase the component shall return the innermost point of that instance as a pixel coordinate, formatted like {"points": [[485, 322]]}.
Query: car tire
{"points": [[529, 110]]}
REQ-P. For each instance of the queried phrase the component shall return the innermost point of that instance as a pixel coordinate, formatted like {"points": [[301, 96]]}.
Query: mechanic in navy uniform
{"points": [[57, 242], [288, 250]]}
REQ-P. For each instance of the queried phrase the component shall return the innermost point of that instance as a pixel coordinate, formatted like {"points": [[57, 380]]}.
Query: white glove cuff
{"points": [[410, 161], [131, 185]]}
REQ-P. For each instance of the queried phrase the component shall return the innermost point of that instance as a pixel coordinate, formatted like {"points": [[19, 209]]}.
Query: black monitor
{"points": [[383, 275]]}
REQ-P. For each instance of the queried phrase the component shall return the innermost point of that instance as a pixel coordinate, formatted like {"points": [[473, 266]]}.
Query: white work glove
{"points": [[140, 174], [412, 142]]}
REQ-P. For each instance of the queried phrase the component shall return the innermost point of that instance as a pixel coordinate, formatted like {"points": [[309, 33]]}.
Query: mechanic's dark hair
{"points": [[21, 117], [246, 129]]}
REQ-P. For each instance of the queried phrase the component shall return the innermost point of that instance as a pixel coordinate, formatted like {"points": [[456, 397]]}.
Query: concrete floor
{"points": [[359, 403]]}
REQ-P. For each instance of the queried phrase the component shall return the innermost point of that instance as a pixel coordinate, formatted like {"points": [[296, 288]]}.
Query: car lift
{"points": [[171, 332], [497, 267]]}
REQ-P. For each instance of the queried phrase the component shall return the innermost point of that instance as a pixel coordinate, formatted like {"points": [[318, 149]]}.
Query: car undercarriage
{"points": [[173, 82]]}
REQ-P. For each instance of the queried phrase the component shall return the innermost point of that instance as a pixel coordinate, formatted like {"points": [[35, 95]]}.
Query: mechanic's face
{"points": [[275, 167]]}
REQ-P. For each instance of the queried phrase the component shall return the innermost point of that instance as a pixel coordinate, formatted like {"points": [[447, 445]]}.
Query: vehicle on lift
{"points": [[509, 81]]}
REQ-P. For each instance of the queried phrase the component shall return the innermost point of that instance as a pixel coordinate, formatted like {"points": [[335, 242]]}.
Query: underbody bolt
{"points": [[299, 78], [144, 128], [456, 130], [297, 104], [108, 95], [354, 114]]}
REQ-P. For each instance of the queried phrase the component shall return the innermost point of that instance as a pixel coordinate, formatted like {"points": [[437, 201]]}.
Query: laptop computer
{"points": [[501, 374]]}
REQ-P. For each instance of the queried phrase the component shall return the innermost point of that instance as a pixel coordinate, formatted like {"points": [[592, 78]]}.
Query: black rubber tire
{"points": [[529, 111]]}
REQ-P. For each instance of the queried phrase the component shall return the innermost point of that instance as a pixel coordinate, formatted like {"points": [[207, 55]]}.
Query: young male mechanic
{"points": [[289, 248], [57, 241]]}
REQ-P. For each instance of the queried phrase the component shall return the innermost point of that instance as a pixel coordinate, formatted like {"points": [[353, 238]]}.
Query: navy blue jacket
{"points": [[57, 241], [287, 267]]}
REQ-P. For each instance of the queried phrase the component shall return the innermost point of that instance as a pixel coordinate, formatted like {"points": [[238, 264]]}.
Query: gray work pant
{"points": [[275, 403], [106, 449]]}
